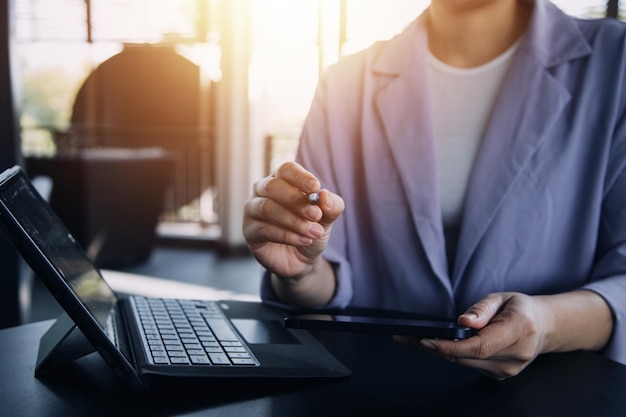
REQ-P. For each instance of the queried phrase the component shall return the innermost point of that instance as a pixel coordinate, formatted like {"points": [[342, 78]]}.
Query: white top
{"points": [[462, 102]]}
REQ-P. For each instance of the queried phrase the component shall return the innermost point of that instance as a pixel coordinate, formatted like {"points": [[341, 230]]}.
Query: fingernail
{"points": [[329, 203], [470, 316], [427, 344], [313, 213], [316, 229]]}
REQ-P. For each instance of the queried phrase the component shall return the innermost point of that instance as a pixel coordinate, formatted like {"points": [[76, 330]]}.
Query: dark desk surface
{"points": [[388, 379]]}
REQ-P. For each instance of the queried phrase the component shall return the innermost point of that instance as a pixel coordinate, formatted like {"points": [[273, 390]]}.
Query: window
{"points": [[59, 46], [300, 39], [583, 8], [593, 8], [365, 24], [61, 42]]}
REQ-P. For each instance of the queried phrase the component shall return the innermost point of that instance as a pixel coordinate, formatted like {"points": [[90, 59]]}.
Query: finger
{"points": [[265, 220], [331, 205], [481, 313], [489, 343], [292, 198], [429, 346], [296, 176], [495, 369], [259, 233]]}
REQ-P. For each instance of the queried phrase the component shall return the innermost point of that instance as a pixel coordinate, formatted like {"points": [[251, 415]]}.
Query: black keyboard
{"points": [[189, 332]]}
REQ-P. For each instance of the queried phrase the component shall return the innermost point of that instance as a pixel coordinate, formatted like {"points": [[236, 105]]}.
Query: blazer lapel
{"points": [[519, 122], [516, 129], [404, 107]]}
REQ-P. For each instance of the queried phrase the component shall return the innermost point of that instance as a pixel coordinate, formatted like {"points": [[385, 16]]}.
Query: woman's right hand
{"points": [[285, 232]]}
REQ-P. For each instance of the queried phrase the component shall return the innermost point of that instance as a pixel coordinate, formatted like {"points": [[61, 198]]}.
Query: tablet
{"points": [[431, 329]]}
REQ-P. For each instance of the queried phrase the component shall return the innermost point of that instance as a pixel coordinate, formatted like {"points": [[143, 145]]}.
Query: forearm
{"points": [[313, 289], [576, 320]]}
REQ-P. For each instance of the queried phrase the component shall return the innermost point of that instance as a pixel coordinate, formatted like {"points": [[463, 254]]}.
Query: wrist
{"points": [[312, 288], [549, 322], [293, 279], [575, 320]]}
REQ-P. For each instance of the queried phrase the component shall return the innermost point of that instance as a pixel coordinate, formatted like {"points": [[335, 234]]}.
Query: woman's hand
{"points": [[511, 334], [287, 234], [513, 329]]}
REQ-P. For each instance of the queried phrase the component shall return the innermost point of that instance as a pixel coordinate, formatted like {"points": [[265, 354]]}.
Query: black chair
{"points": [[110, 199]]}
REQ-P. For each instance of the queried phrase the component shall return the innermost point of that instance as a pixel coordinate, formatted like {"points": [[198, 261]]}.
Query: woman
{"points": [[473, 166]]}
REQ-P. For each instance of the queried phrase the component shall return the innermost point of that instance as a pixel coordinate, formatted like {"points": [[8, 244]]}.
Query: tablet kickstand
{"points": [[61, 344]]}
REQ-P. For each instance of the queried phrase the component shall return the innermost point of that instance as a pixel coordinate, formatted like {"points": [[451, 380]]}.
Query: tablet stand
{"points": [[61, 344]]}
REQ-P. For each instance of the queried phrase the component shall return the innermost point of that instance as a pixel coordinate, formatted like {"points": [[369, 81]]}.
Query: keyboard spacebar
{"points": [[221, 330]]}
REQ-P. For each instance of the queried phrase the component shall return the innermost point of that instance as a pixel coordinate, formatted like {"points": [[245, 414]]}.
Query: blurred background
{"points": [[154, 117], [223, 84]]}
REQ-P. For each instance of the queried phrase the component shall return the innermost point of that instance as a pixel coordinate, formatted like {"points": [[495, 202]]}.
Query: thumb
{"points": [[332, 206], [481, 313]]}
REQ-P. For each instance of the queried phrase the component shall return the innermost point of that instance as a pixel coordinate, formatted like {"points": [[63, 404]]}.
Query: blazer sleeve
{"points": [[609, 274]]}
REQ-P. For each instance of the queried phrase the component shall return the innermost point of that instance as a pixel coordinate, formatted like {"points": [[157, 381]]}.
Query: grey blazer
{"points": [[546, 204]]}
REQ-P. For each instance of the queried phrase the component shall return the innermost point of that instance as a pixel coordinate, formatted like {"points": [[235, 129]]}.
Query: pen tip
{"points": [[314, 198]]}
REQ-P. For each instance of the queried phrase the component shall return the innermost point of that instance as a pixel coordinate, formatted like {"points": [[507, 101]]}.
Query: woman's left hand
{"points": [[511, 328]]}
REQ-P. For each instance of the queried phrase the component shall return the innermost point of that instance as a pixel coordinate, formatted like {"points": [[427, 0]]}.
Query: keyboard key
{"points": [[219, 358], [203, 360], [231, 343], [175, 348], [222, 331], [189, 346], [234, 349], [242, 361], [238, 355], [213, 349]]}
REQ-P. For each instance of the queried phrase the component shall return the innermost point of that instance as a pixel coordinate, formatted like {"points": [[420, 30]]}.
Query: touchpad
{"points": [[263, 331]]}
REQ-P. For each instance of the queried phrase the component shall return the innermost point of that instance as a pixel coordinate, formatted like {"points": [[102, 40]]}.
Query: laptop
{"points": [[146, 340]]}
